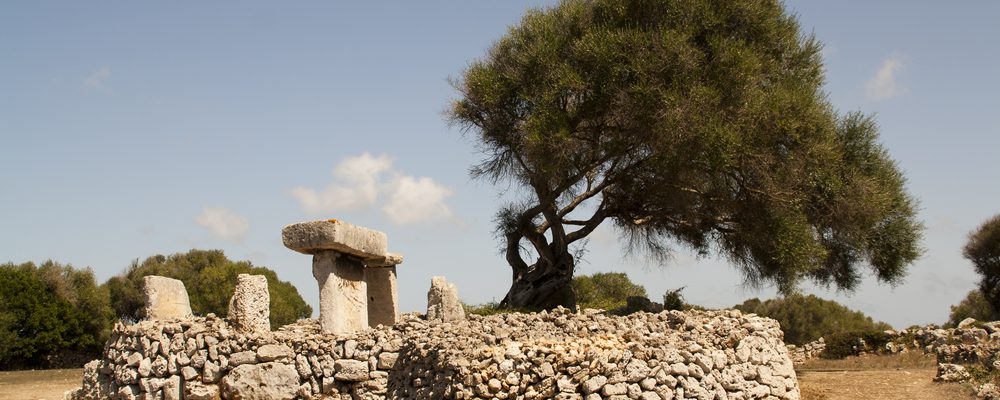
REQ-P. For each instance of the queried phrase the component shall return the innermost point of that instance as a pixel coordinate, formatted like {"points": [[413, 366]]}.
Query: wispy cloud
{"points": [[364, 181], [223, 223], [99, 80], [884, 84], [416, 200]]}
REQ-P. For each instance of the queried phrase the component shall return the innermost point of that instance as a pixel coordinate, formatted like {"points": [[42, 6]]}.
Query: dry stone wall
{"points": [[557, 354]]}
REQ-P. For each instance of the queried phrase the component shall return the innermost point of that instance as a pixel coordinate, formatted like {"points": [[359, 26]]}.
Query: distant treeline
{"points": [[54, 315]]}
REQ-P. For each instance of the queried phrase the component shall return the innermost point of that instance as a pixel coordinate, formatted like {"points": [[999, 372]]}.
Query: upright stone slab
{"points": [[383, 300], [343, 302], [166, 298], [442, 301], [250, 306]]}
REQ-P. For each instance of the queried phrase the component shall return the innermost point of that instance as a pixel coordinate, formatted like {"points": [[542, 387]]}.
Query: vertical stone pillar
{"points": [[383, 300], [250, 306], [343, 302]]}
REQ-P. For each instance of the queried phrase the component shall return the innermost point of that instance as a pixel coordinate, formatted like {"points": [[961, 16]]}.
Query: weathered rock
{"points": [[343, 293], [261, 381], [442, 301], [172, 388], [968, 322], [351, 370], [318, 236], [951, 373], [249, 308], [194, 390], [383, 300], [274, 352], [166, 298]]}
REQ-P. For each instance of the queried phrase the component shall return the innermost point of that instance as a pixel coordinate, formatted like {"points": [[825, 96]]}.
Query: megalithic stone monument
{"points": [[341, 252], [383, 300]]}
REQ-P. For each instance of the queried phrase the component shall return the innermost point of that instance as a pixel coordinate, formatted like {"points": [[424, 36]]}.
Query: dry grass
{"points": [[908, 360]]}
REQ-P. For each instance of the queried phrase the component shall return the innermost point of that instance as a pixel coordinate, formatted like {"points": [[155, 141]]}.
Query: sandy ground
{"points": [[37, 385], [901, 384], [880, 384]]}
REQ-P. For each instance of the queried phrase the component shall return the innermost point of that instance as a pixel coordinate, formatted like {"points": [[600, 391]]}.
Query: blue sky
{"points": [[132, 129]]}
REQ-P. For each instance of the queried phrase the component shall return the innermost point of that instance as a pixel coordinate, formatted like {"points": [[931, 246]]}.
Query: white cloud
{"points": [[362, 182], [356, 186], [224, 223], [416, 200], [883, 85], [98, 80]]}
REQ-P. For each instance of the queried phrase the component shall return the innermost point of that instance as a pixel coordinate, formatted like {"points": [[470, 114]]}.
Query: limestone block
{"points": [[166, 298], [317, 236], [442, 301], [343, 294], [388, 260], [261, 381], [249, 308], [383, 297]]}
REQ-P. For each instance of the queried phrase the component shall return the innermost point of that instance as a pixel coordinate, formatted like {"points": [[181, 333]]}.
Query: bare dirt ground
{"points": [[38, 384], [901, 377]]}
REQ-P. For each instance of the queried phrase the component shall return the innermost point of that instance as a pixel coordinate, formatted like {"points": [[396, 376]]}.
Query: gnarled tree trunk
{"points": [[545, 285]]}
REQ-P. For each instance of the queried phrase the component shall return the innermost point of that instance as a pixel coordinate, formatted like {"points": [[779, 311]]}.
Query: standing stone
{"points": [[343, 300], [383, 298], [166, 298], [249, 308], [442, 301]]}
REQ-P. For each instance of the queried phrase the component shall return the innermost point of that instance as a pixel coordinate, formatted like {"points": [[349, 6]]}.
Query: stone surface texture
{"points": [[383, 298], [343, 293], [555, 354], [250, 306], [442, 301], [166, 298], [317, 236]]}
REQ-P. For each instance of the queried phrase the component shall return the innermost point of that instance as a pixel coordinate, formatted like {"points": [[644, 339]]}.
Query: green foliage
{"points": [[210, 279], [691, 121], [845, 344], [807, 318], [983, 250], [975, 306], [50, 310], [605, 290]]}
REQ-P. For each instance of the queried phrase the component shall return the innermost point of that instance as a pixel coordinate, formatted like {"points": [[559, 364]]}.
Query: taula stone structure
{"points": [[166, 298], [356, 275]]}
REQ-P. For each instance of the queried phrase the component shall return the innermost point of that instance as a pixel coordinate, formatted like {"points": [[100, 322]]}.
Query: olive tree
{"points": [[983, 250], [682, 122]]}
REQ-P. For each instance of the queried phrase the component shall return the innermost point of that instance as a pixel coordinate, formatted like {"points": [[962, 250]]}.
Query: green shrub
{"points": [[210, 279], [845, 344], [49, 313], [804, 319], [605, 290]]}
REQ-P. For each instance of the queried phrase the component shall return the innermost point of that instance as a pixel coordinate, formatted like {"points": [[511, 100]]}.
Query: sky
{"points": [[133, 129]]}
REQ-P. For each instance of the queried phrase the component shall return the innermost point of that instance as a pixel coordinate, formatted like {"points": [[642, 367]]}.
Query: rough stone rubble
{"points": [[557, 354]]}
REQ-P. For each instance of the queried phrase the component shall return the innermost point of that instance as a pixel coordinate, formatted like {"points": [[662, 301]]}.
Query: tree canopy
{"points": [[605, 290], [694, 122], [210, 279], [983, 250], [50, 312], [975, 306]]}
